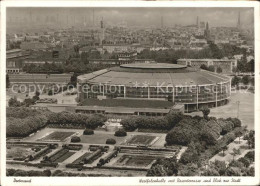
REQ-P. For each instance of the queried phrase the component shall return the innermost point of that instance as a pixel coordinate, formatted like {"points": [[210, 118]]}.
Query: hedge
{"points": [[75, 139], [120, 133], [88, 132], [111, 141]]}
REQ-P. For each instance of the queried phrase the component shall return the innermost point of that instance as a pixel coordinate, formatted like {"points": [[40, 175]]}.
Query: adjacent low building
{"points": [[227, 65], [13, 60]]}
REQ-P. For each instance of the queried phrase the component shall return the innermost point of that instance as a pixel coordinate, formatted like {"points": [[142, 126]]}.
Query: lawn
{"points": [[134, 161], [56, 136], [18, 152], [21, 151], [100, 138], [81, 158], [141, 140]]}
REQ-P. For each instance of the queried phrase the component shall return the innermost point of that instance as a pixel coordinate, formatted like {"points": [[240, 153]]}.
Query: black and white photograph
{"points": [[130, 91]]}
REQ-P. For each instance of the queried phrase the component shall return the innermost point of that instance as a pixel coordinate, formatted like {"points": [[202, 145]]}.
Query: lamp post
{"points": [[238, 102]]}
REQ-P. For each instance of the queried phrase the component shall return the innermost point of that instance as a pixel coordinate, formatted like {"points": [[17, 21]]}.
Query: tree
{"points": [[210, 172], [208, 137], [164, 167], [174, 118], [211, 68], [13, 102], [205, 112], [224, 149], [251, 139], [245, 80], [36, 96], [235, 81], [7, 81], [204, 67], [219, 70], [73, 80], [94, 121], [129, 123], [234, 153], [232, 171], [220, 166]]}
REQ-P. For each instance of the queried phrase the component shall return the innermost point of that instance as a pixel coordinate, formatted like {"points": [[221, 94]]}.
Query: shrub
{"points": [[94, 121], [236, 122], [210, 172], [88, 132], [75, 139], [251, 171], [230, 137], [204, 67], [228, 126], [111, 141], [129, 123], [120, 133], [47, 172], [245, 161], [205, 112], [191, 155], [250, 156], [219, 69], [20, 173]]}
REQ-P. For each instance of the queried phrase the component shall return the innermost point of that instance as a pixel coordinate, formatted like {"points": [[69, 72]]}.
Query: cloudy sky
{"points": [[144, 16]]}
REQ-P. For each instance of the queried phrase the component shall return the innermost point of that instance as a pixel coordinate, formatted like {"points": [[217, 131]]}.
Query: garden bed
{"points": [[141, 140], [134, 161], [56, 136]]}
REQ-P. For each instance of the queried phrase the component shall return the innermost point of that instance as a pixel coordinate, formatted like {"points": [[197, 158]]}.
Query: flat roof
{"points": [[122, 109], [129, 103], [13, 50], [153, 66], [206, 59]]}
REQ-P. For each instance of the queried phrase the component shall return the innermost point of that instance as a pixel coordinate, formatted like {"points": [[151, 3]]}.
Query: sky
{"points": [[144, 16]]}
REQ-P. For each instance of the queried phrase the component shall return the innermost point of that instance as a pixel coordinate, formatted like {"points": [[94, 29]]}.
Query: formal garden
{"points": [[209, 141]]}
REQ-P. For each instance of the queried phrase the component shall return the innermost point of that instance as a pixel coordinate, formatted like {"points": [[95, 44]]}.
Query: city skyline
{"points": [[146, 16]]}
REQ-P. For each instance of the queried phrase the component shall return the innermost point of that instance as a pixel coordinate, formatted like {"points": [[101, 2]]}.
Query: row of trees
{"points": [[23, 112], [76, 120], [23, 121], [160, 123], [212, 51], [17, 127], [45, 173], [245, 80]]}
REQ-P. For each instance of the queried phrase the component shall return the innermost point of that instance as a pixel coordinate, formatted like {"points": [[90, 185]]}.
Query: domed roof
{"points": [[153, 74]]}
